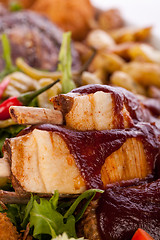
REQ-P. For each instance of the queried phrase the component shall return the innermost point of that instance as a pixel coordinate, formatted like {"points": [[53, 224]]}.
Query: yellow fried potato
{"points": [[110, 62], [144, 52], [99, 39], [90, 78], [122, 49], [144, 73], [129, 34], [122, 79]]}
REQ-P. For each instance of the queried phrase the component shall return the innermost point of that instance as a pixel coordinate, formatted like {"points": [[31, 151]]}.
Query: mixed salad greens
{"points": [[50, 218]]}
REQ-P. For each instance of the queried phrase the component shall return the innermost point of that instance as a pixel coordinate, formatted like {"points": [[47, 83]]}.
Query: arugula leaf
{"points": [[89, 195], [65, 63], [9, 68], [27, 211], [54, 200], [46, 220]]}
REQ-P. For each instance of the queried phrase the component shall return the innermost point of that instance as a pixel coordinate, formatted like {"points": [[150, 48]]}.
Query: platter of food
{"points": [[79, 124]]}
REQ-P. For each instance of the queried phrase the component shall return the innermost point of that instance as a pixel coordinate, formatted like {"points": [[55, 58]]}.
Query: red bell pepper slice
{"points": [[140, 234]]}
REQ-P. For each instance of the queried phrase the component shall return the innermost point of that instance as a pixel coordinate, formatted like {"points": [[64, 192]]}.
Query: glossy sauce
{"points": [[91, 148], [121, 211]]}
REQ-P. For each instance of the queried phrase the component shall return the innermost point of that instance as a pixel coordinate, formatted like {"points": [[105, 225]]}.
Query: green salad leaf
{"points": [[65, 63], [9, 132], [9, 67]]}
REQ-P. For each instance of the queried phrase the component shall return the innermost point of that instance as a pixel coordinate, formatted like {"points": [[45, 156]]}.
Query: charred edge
{"points": [[63, 103], [12, 114]]}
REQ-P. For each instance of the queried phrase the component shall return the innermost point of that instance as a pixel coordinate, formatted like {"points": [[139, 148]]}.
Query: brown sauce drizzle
{"points": [[120, 96], [121, 211], [91, 148]]}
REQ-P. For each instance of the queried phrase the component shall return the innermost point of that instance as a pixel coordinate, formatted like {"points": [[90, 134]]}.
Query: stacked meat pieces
{"points": [[106, 138]]}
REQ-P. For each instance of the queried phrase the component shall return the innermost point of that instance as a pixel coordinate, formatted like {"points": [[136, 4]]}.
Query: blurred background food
{"points": [[105, 48], [124, 56]]}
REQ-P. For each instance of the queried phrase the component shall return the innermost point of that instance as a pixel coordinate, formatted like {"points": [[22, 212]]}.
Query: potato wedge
{"points": [[128, 34], [146, 74], [122, 79]]}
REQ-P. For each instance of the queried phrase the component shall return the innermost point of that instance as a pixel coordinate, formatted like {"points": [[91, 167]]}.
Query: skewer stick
{"points": [[33, 115]]}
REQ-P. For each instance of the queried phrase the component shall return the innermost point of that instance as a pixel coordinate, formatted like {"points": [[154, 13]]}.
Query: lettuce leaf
{"points": [[45, 219], [65, 63]]}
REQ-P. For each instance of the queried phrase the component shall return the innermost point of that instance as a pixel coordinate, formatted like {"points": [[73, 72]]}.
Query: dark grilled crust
{"points": [[88, 225], [34, 38]]}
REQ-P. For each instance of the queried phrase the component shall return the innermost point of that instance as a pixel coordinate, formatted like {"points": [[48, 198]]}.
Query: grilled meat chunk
{"points": [[47, 157], [34, 38], [100, 107], [42, 163]]}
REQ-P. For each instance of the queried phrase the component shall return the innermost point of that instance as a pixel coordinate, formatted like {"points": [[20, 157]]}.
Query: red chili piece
{"points": [[4, 107], [23, 99]]}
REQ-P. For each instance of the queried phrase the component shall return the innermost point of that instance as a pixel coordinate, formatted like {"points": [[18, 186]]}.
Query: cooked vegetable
{"points": [[140, 234], [65, 62], [23, 99], [9, 68], [34, 73]]}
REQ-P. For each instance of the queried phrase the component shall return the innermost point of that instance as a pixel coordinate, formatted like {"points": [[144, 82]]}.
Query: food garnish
{"points": [[24, 99], [65, 62], [9, 68], [140, 234], [50, 217]]}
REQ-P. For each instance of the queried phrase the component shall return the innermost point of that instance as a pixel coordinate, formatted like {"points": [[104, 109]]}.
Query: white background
{"points": [[138, 12]]}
